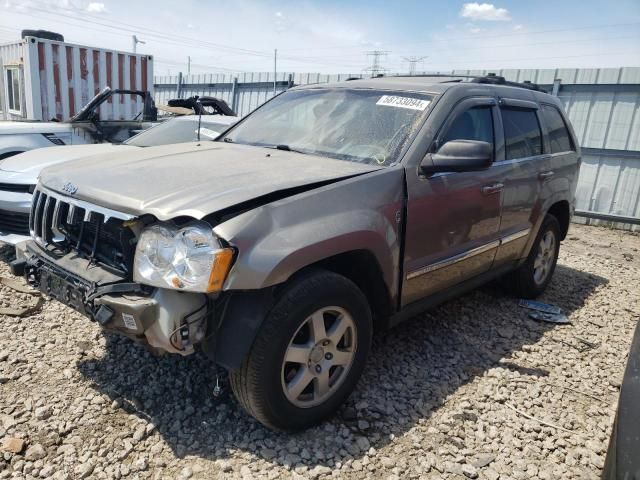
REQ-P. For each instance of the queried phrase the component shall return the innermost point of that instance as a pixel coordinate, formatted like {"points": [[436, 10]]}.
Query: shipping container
{"points": [[45, 79]]}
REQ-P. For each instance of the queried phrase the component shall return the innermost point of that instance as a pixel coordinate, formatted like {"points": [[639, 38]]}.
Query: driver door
{"points": [[453, 218]]}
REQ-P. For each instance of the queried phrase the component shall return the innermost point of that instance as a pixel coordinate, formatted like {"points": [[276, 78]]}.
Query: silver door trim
{"points": [[515, 236], [467, 254], [453, 260]]}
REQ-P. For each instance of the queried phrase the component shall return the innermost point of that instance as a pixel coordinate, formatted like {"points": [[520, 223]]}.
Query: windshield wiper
{"points": [[284, 147], [227, 140]]}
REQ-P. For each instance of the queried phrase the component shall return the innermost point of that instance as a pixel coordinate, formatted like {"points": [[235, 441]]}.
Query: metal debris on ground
{"points": [[21, 310], [587, 343], [542, 422], [559, 318], [539, 306], [580, 348]]}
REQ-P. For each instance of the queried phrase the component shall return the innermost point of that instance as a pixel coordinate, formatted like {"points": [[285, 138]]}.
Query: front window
{"points": [[366, 126], [12, 78], [473, 124], [177, 131]]}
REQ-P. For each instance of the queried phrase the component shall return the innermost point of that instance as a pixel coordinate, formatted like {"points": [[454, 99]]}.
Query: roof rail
{"points": [[490, 78], [493, 79]]}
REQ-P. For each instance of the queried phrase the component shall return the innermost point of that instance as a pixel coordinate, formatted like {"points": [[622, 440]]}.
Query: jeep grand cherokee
{"points": [[329, 212]]}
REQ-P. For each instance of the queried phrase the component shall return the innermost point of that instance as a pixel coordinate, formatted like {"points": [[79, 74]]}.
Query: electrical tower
{"points": [[375, 68], [413, 61]]}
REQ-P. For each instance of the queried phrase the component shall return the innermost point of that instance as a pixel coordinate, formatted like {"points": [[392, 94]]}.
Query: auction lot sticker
{"points": [[403, 102], [129, 321]]}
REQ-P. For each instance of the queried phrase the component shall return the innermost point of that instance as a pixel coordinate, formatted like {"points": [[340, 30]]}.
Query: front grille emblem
{"points": [[69, 188]]}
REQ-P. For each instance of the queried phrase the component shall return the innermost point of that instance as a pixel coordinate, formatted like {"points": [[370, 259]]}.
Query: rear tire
{"points": [[308, 355], [532, 277]]}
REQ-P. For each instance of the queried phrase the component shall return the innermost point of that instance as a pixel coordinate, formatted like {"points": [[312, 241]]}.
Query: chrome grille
{"points": [[70, 224]]}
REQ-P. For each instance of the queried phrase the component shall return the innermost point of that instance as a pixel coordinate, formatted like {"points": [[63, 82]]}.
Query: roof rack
{"points": [[490, 78], [493, 79]]}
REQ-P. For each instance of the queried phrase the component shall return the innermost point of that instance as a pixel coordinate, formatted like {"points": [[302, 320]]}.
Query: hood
{"points": [[192, 179], [12, 127], [26, 167]]}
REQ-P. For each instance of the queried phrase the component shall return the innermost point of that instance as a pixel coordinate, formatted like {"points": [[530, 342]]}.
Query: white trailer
{"points": [[58, 93], [44, 79]]}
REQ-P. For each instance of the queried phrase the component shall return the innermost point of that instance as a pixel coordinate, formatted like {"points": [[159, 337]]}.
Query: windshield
{"points": [[177, 131], [366, 126]]}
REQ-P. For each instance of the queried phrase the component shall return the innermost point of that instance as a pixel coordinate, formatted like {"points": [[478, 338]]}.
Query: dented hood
{"points": [[193, 179]]}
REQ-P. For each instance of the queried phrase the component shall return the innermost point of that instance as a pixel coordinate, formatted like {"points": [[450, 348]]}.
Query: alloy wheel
{"points": [[319, 357], [543, 264]]}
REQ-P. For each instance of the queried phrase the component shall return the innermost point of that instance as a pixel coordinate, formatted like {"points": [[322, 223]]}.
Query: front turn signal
{"points": [[220, 270]]}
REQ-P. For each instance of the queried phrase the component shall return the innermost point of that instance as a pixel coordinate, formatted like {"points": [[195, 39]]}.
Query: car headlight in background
{"points": [[189, 258]]}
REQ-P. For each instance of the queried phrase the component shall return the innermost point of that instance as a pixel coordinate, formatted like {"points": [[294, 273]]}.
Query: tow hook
{"points": [[17, 267]]}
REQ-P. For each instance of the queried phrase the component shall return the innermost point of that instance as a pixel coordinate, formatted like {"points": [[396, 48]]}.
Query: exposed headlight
{"points": [[190, 258]]}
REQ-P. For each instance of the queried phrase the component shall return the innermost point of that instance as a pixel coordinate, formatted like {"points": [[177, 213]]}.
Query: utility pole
{"points": [[413, 61], [135, 42], [375, 68], [275, 69], [188, 65]]}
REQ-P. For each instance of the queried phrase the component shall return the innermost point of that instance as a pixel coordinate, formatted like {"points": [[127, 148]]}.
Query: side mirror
{"points": [[458, 156]]}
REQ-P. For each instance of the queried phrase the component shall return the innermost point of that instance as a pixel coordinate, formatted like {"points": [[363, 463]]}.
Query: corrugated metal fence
{"points": [[602, 104], [243, 92]]}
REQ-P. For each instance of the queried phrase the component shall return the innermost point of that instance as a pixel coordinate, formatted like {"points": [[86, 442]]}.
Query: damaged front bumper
{"points": [[166, 320]]}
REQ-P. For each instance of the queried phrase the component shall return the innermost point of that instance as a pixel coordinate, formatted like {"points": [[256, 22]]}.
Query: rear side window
{"points": [[473, 124], [523, 137], [559, 137]]}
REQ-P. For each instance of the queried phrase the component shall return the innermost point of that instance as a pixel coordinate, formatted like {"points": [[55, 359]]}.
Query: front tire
{"points": [[308, 355], [532, 277]]}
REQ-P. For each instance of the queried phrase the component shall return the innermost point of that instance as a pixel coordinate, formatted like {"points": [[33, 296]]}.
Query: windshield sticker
{"points": [[208, 133], [403, 102]]}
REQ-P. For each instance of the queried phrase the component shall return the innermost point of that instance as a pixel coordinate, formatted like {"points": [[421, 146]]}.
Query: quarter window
{"points": [[473, 124], [559, 137], [523, 137], [13, 89]]}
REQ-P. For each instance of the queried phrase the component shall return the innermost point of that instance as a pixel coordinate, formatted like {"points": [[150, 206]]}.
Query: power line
{"points": [[119, 25], [483, 47], [178, 40], [161, 37], [483, 36]]}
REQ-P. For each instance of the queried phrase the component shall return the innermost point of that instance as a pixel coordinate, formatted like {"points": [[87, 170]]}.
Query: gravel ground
{"points": [[438, 399]]}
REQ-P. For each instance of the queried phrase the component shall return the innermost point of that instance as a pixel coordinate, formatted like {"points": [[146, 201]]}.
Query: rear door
{"points": [[522, 172], [452, 218]]}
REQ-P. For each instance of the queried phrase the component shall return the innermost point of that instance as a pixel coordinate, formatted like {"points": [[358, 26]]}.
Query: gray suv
{"points": [[330, 212]]}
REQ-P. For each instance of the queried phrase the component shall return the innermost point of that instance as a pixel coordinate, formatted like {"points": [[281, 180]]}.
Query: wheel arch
{"points": [[243, 312], [363, 269], [562, 211]]}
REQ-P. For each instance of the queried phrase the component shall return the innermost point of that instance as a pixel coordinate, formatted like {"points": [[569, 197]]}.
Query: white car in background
{"points": [[19, 173]]}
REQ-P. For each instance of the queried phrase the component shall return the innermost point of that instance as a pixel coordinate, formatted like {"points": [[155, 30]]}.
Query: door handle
{"points": [[545, 175], [491, 189]]}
